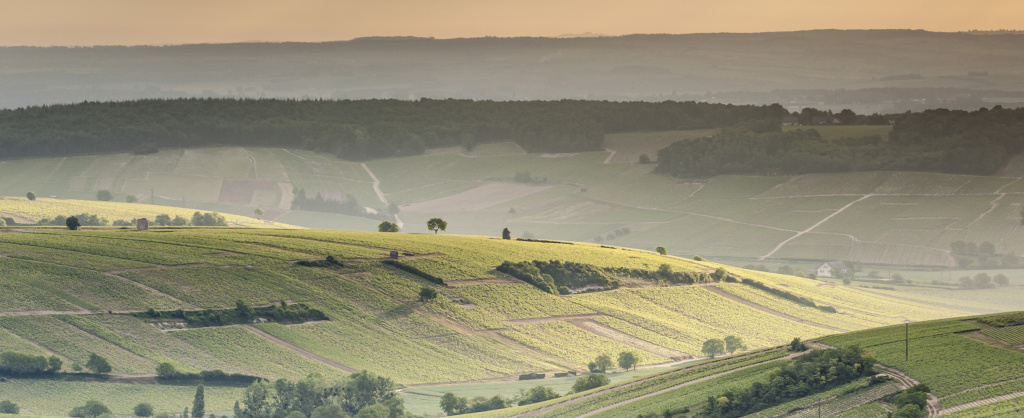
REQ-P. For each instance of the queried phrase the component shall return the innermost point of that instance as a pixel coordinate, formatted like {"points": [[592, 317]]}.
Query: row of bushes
{"points": [[242, 314], [557, 277], [788, 296], [167, 373], [415, 271]]}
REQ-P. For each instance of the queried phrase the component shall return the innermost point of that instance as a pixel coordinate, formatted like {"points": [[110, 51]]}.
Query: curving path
{"points": [[798, 234]]}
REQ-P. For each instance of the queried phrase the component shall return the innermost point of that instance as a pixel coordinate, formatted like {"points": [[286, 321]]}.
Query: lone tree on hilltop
{"points": [[437, 224], [427, 294], [72, 223], [734, 344], [98, 364], [628, 359], [104, 196], [30, 195], [259, 213], [387, 226], [506, 234], [131, 199], [661, 250], [713, 347]]}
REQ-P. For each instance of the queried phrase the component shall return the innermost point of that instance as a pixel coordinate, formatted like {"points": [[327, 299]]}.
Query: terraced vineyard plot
{"points": [[518, 301], [870, 410], [84, 288], [186, 357], [74, 344], [838, 320], [214, 287], [572, 343], [1012, 335], [833, 402], [598, 398], [448, 269], [68, 258], [250, 354], [727, 317], [942, 368], [984, 392], [56, 398], [1007, 408], [11, 342], [693, 396], [94, 242], [46, 208]]}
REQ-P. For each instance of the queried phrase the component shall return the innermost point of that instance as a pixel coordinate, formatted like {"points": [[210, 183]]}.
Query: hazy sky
{"points": [[133, 22]]}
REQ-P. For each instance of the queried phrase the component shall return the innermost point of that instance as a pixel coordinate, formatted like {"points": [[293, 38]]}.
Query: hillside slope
{"points": [[69, 293]]}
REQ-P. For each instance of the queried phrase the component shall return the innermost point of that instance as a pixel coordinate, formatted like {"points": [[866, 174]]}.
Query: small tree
{"points": [[30, 195], [734, 344], [437, 224], [104, 196], [143, 410], [8, 407], [91, 409], [600, 364], [427, 294], [98, 364], [846, 281], [661, 250], [454, 405], [72, 223], [387, 226], [590, 381], [698, 258], [506, 234], [713, 347], [644, 159], [199, 403], [797, 345], [628, 359], [131, 199], [537, 394], [166, 370], [1001, 279], [259, 213]]}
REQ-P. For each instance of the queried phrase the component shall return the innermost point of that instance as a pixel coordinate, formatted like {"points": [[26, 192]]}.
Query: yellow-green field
{"points": [[70, 293], [32, 211]]}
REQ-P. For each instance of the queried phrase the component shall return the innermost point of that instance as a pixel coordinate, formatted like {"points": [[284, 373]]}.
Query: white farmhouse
{"points": [[832, 269]]}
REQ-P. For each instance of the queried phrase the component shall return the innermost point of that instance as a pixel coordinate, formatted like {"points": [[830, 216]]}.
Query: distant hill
{"points": [[865, 70]]}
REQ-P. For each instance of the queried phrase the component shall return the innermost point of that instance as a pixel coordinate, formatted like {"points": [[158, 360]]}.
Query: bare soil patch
{"points": [[478, 198]]}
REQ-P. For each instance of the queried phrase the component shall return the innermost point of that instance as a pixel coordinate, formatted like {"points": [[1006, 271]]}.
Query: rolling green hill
{"points": [[69, 293]]}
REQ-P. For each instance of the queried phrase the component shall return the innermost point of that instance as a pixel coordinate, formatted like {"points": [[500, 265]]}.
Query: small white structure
{"points": [[832, 269]]}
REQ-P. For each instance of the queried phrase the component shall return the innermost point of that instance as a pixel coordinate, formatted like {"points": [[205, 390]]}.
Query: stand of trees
{"points": [[940, 140], [811, 373], [558, 277], [361, 394], [350, 129]]}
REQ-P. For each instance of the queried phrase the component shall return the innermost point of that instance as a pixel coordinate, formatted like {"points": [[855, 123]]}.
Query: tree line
{"points": [[350, 129], [940, 140]]}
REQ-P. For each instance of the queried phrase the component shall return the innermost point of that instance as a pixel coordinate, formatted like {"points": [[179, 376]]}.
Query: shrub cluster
{"points": [[413, 270], [242, 314], [557, 277]]}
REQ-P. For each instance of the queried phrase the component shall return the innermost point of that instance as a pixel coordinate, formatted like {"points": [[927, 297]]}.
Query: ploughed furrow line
{"points": [[768, 310]]}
